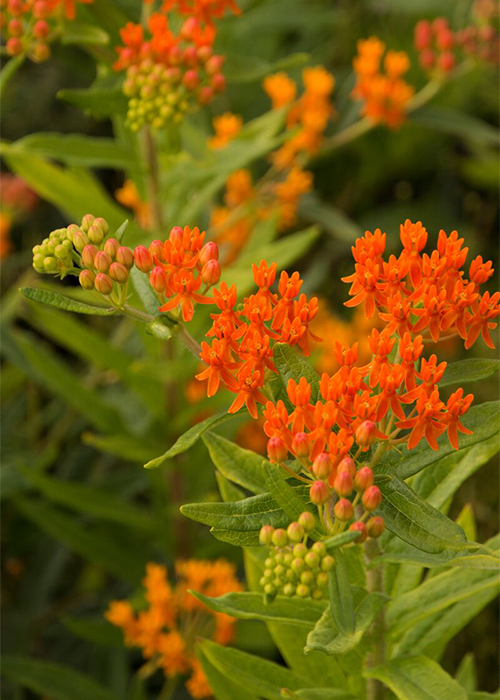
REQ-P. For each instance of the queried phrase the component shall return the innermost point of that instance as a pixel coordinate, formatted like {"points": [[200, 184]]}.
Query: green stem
{"points": [[375, 690], [153, 180], [9, 70]]}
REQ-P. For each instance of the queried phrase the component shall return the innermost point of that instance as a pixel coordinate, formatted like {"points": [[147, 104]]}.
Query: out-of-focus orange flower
{"points": [[227, 126], [129, 197], [5, 242], [203, 10], [288, 193], [281, 89]]}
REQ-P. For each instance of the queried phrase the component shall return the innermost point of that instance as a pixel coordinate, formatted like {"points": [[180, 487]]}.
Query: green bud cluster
{"points": [[54, 255], [292, 568]]}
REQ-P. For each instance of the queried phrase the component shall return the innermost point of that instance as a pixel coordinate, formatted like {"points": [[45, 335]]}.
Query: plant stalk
{"points": [[375, 690]]}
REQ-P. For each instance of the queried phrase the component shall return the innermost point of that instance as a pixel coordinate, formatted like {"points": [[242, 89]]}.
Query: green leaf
{"points": [[476, 557], [483, 420], [456, 123], [259, 676], [9, 70], [332, 543], [341, 597], [223, 688], [417, 678], [473, 369], [291, 365], [58, 301], [228, 491], [236, 537], [145, 292], [317, 694], [325, 636], [240, 69], [188, 439], [284, 495], [54, 680], [79, 33], [332, 219], [251, 606], [466, 673], [77, 149], [241, 466], [414, 520], [96, 630], [101, 102]]}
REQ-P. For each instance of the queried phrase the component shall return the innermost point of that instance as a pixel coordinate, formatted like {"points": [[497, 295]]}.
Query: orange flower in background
{"points": [[203, 10], [167, 628], [289, 192], [226, 128], [16, 200], [129, 197], [281, 89], [385, 96]]}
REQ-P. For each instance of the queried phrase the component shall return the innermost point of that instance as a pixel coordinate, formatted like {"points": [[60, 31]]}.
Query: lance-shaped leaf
{"points": [[291, 365], [332, 543], [414, 520], [241, 466], [237, 538], [286, 496], [102, 102], [341, 596], [59, 301], [317, 694], [251, 606], [473, 369], [417, 678], [77, 149], [223, 688], [325, 636]]}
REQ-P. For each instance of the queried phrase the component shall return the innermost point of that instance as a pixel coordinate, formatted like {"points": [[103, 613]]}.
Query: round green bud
{"points": [[319, 548], [49, 264], [87, 222], [287, 559], [279, 558], [322, 579], [290, 575], [312, 560], [317, 594], [280, 538], [298, 565], [279, 570], [262, 582], [60, 252], [277, 582], [266, 534], [327, 563], [302, 590], [36, 250], [300, 550], [295, 532], [308, 521], [269, 589], [269, 563], [288, 589], [307, 577], [38, 261]]}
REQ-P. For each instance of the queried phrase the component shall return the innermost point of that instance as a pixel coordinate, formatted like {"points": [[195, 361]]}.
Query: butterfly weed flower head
{"points": [[167, 625], [227, 126]]}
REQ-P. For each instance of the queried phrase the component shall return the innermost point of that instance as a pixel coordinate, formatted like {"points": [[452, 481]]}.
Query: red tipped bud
{"points": [[88, 255], [204, 53], [175, 55], [363, 479], [190, 79], [111, 246], [210, 251], [343, 484], [295, 532], [214, 65], [427, 59], [15, 27], [157, 280], [41, 29], [218, 82], [103, 283], [173, 75], [300, 445], [372, 498], [156, 250], [307, 520], [86, 279], [280, 538], [125, 256], [176, 235], [190, 55], [211, 272], [366, 433], [319, 493], [375, 526], [14, 46], [322, 466], [205, 95], [276, 450], [266, 534], [446, 61], [423, 35], [40, 9], [343, 510], [118, 273], [360, 527], [189, 26], [143, 259], [102, 261], [15, 7], [347, 465], [444, 39]]}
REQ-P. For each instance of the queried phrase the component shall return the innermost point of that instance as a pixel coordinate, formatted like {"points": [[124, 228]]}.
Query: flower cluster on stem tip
{"points": [[167, 626]]}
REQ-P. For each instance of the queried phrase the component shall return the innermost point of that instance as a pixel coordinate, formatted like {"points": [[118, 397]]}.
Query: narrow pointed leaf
{"points": [[59, 301], [241, 466], [341, 597]]}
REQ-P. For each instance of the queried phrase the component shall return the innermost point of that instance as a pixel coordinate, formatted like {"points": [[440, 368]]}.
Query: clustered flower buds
{"points": [[435, 42], [292, 568]]}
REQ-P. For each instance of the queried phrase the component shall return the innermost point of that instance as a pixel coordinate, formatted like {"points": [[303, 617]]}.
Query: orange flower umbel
{"points": [[226, 128], [385, 96], [167, 627]]}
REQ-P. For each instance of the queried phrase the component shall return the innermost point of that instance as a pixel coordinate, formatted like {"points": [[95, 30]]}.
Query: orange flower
{"points": [[250, 382], [429, 421], [226, 128], [281, 89], [129, 197]]}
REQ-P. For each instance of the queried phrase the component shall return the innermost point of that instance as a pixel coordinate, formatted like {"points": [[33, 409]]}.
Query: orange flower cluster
{"points": [[385, 95], [241, 350], [16, 200], [204, 11], [231, 230], [129, 197], [227, 126], [166, 630], [178, 267], [435, 41], [309, 113], [30, 25]]}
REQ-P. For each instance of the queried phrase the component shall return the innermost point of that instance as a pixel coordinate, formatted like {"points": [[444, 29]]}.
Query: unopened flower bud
{"points": [[118, 273], [280, 538], [327, 563], [302, 590], [86, 279], [95, 234], [307, 520], [205, 95], [157, 280], [41, 29], [343, 484], [103, 225], [210, 251], [360, 527], [156, 250], [49, 264], [14, 46], [347, 465], [322, 579], [375, 526], [80, 240], [343, 510], [446, 61], [423, 35], [125, 256], [298, 565], [311, 559], [266, 534], [87, 222], [319, 493], [204, 53], [211, 272], [320, 549], [111, 246], [372, 498], [427, 58], [363, 479], [143, 259], [295, 532], [300, 445], [276, 450], [191, 79], [88, 255], [322, 466], [366, 433], [40, 52], [40, 9], [300, 550], [214, 65], [103, 283], [102, 261], [71, 230], [218, 82]]}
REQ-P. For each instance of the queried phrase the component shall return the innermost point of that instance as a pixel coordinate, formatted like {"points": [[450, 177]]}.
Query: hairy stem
{"points": [[375, 579]]}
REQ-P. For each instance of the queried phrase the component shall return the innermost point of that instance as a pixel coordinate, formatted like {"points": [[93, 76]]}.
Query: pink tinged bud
{"points": [[118, 273], [143, 259], [191, 79], [95, 234], [300, 445], [102, 261], [87, 222], [266, 534], [15, 27], [15, 7], [111, 246], [103, 283], [307, 520], [280, 538], [444, 39], [218, 82], [88, 255], [14, 46], [157, 280], [372, 498], [40, 9], [102, 224], [41, 29], [86, 279], [363, 479], [176, 235], [347, 465], [205, 95], [366, 433], [375, 526], [343, 484], [173, 75], [211, 272], [71, 230], [295, 532], [446, 61], [276, 450], [360, 527], [189, 27], [175, 55], [80, 240], [423, 35], [204, 53], [322, 466], [210, 251], [427, 59], [125, 256], [156, 250], [214, 65], [319, 493], [190, 56], [343, 510]]}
